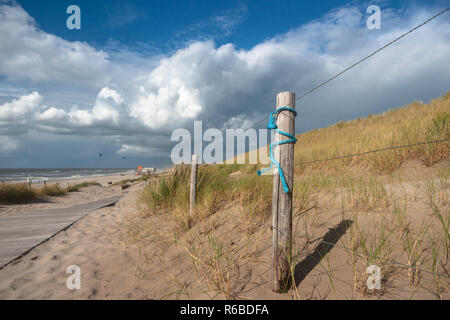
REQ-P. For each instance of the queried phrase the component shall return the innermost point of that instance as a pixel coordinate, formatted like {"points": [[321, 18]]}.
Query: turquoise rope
{"points": [[292, 139]]}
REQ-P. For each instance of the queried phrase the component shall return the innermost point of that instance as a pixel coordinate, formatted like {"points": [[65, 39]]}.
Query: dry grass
{"points": [[215, 188], [128, 181], [21, 193], [407, 125]]}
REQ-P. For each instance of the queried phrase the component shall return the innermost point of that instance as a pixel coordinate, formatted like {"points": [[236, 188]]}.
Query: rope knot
{"points": [[272, 119], [292, 139]]}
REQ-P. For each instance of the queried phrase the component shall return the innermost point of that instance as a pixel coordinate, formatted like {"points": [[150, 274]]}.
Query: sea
{"points": [[58, 174]]}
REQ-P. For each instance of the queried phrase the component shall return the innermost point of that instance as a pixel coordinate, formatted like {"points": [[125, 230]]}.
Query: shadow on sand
{"points": [[329, 240]]}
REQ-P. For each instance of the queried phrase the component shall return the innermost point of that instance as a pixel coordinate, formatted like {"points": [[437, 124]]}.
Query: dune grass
{"points": [[18, 193], [411, 124], [216, 186], [128, 181]]}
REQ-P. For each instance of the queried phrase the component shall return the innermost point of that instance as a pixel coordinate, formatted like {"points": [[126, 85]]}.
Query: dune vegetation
{"points": [[411, 124], [389, 209], [218, 184], [17, 193]]}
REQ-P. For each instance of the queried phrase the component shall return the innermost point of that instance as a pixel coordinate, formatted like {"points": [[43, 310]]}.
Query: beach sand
{"points": [[99, 244], [124, 254], [112, 264], [41, 274]]}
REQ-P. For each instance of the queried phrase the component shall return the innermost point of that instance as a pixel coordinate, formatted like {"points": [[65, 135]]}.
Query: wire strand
{"points": [[372, 54], [373, 151]]}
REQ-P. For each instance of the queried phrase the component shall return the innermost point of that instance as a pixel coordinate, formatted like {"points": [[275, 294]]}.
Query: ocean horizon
{"points": [[59, 173]]}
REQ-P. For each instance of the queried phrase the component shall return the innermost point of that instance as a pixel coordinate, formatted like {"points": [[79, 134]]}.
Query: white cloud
{"points": [[17, 109], [28, 53], [239, 122], [133, 150], [108, 112]]}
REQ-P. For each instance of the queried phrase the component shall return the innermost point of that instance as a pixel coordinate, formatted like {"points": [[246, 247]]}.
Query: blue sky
{"points": [[137, 70], [165, 25]]}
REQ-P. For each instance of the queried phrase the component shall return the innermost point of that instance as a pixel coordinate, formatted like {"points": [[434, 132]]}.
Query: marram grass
{"points": [[411, 124], [17, 193]]}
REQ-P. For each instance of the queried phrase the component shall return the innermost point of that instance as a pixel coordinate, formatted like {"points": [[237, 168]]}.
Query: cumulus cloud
{"points": [[28, 53], [18, 108], [224, 84], [14, 116], [107, 114]]}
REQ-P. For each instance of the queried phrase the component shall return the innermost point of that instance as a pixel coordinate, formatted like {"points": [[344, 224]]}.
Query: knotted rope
{"points": [[292, 139]]}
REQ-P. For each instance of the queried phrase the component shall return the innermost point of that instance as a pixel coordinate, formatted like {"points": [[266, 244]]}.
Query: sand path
{"points": [[22, 232], [96, 244]]}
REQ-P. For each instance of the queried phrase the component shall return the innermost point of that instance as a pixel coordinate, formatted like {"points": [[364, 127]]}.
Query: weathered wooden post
{"points": [[194, 167], [282, 201]]}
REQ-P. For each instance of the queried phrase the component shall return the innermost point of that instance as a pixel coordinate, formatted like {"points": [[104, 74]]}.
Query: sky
{"points": [[138, 70]]}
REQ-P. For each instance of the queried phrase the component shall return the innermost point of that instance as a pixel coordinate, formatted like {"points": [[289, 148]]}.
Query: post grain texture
{"points": [[282, 201], [193, 187]]}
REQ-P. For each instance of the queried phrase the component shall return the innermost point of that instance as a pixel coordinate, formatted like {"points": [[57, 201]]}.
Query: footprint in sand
{"points": [[93, 293], [17, 283]]}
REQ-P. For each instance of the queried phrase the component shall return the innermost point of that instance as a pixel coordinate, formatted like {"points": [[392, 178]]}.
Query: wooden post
{"points": [[194, 166], [281, 201]]}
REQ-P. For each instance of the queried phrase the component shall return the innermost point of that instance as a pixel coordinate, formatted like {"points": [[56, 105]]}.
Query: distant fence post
{"points": [[282, 201], [194, 166]]}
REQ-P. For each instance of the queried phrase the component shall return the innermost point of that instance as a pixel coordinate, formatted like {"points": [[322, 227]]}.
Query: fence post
{"points": [[281, 201], [194, 166]]}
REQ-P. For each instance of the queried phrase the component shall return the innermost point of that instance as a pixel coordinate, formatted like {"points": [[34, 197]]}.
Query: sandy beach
{"points": [[124, 253], [100, 245]]}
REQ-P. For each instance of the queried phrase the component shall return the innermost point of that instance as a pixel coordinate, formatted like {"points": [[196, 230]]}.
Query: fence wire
{"points": [[372, 151]]}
